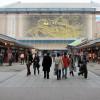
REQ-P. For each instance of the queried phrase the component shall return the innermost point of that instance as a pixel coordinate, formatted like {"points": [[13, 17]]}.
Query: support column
{"points": [[3, 24], [11, 25], [93, 26], [19, 32], [89, 27]]}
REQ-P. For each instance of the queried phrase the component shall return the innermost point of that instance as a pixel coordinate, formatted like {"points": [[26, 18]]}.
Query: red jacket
{"points": [[66, 62]]}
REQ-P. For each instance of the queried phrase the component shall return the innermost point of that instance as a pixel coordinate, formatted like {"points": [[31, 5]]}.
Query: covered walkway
{"points": [[9, 41]]}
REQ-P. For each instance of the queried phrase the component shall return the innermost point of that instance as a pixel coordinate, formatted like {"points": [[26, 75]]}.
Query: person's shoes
{"points": [[60, 78], [28, 74], [65, 77], [47, 77], [57, 78]]}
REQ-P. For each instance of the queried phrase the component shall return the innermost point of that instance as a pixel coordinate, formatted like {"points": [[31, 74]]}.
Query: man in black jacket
{"points": [[46, 63]]}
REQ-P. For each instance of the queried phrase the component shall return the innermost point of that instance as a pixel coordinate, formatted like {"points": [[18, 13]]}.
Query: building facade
{"points": [[44, 22]]}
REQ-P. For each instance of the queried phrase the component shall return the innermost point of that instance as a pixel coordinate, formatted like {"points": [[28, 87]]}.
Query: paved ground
{"points": [[15, 85], [16, 67], [95, 68]]}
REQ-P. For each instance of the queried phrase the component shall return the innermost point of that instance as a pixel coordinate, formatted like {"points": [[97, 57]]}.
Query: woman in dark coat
{"points": [[36, 65], [29, 60], [46, 63], [83, 67]]}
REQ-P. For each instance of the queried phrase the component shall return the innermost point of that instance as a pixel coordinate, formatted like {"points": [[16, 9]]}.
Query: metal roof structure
{"points": [[4, 38], [75, 43], [92, 43], [7, 38], [50, 7]]}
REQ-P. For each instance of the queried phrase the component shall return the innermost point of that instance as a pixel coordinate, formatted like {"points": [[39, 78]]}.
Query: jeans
{"points": [[28, 69], [64, 72], [58, 74], [35, 70]]}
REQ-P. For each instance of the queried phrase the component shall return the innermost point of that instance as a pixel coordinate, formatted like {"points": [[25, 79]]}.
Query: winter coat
{"points": [[66, 61], [29, 59], [46, 63], [36, 62], [58, 62], [79, 61]]}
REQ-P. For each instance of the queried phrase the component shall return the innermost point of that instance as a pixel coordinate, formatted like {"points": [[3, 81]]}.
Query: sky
{"points": [[6, 2]]}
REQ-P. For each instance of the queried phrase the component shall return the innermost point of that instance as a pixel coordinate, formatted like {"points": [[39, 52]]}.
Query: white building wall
{"points": [[3, 24], [11, 25], [91, 26], [14, 25]]}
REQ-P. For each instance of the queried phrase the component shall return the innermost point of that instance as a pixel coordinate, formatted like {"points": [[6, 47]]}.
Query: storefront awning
{"points": [[13, 42], [76, 42], [92, 43]]}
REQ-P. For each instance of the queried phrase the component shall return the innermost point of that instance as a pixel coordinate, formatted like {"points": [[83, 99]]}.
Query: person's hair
{"points": [[48, 54], [58, 54], [29, 52], [65, 53], [70, 55]]}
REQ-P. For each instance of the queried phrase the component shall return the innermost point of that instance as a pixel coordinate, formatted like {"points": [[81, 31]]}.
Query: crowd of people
{"points": [[6, 56], [9, 57], [62, 62], [94, 57]]}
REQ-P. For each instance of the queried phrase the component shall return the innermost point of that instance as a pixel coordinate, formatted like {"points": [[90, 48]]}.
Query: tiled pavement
{"points": [[19, 79], [95, 68], [17, 86]]}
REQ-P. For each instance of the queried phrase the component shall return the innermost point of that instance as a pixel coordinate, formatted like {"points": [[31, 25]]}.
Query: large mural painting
{"points": [[55, 26], [44, 26]]}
